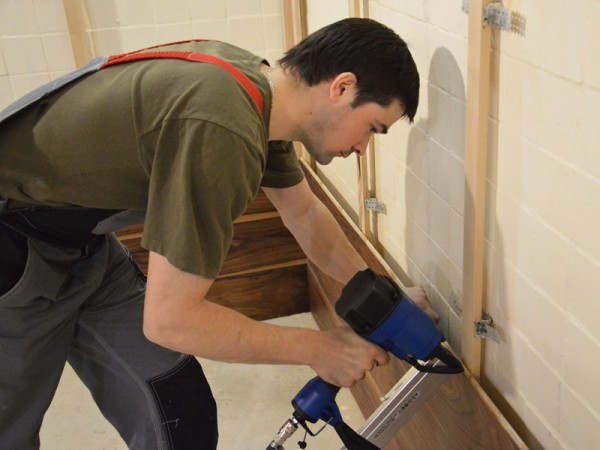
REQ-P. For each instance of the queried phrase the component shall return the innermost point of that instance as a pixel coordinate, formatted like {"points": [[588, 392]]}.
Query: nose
{"points": [[361, 147]]}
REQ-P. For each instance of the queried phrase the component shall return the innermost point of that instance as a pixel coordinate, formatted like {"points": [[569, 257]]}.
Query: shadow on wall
{"points": [[435, 193]]}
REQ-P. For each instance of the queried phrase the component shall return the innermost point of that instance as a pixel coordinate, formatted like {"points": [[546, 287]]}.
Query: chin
{"points": [[323, 159]]}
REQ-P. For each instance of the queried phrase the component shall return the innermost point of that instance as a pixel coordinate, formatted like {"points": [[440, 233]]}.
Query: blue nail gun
{"points": [[379, 311]]}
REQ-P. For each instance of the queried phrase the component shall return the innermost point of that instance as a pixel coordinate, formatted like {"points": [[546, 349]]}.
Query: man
{"points": [[186, 143]]}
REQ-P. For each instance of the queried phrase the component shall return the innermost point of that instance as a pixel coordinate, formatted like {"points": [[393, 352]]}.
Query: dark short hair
{"points": [[374, 53]]}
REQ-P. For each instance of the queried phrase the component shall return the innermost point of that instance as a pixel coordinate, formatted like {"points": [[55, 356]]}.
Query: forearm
{"points": [[326, 245], [212, 331], [177, 316]]}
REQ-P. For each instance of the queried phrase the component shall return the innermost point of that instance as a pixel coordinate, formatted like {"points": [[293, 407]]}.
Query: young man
{"points": [[189, 145]]}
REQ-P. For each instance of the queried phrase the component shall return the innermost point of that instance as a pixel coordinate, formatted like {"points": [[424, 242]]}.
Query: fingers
{"points": [[419, 296], [348, 357]]}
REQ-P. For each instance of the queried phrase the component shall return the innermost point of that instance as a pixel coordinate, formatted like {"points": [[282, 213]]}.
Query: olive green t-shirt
{"points": [[181, 140]]}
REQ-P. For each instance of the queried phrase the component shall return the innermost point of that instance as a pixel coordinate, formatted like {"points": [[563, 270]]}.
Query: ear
{"points": [[343, 87]]}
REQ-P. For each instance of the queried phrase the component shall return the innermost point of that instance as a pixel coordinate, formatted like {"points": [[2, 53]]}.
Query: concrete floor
{"points": [[253, 402]]}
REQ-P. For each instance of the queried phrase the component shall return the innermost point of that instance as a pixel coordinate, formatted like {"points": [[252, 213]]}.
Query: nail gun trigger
{"points": [[303, 425], [302, 444]]}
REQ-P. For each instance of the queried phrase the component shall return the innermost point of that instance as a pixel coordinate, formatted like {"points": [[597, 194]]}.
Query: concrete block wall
{"points": [[35, 45], [542, 241]]}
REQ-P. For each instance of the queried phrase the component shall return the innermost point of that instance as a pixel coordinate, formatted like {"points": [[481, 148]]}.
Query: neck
{"points": [[289, 105]]}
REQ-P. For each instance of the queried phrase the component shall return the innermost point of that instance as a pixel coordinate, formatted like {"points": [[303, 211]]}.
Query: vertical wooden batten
{"points": [[367, 220], [295, 25], [77, 21], [295, 28], [478, 77], [358, 8]]}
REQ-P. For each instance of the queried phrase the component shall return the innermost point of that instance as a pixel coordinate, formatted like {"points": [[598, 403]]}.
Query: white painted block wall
{"points": [[542, 238], [543, 246], [35, 46]]}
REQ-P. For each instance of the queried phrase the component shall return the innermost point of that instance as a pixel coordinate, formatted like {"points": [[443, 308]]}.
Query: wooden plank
{"points": [[264, 274], [256, 245], [264, 295], [77, 22], [260, 243], [478, 76], [457, 415]]}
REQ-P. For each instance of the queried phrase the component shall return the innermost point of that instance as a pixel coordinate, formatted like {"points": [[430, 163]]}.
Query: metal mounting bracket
{"points": [[496, 16], [484, 329], [375, 205]]}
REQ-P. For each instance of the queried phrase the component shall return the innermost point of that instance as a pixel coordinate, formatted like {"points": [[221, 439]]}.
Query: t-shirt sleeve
{"points": [[282, 169], [202, 177]]}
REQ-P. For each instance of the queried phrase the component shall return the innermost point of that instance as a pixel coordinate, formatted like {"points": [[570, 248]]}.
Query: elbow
{"points": [[158, 331]]}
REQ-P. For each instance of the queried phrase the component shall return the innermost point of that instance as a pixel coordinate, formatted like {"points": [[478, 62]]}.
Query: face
{"points": [[341, 130]]}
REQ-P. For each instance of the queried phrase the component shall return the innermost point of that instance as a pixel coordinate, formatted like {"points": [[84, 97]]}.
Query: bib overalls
{"points": [[69, 291]]}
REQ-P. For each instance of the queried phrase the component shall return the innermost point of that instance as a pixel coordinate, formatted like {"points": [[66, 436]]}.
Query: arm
{"points": [[317, 231], [177, 316], [323, 240]]}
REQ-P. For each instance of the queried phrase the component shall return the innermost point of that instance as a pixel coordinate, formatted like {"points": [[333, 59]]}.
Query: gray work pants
{"points": [[86, 306]]}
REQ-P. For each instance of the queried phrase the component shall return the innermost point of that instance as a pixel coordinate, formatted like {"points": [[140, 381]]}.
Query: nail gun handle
{"points": [[316, 400], [332, 387]]}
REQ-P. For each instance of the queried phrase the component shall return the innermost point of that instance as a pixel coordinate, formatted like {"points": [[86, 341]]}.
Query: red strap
{"points": [[192, 56]]}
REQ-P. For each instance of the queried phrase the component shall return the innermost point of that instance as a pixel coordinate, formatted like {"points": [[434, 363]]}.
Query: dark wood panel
{"points": [[260, 243], [455, 417], [264, 295], [255, 244], [130, 232], [264, 273]]}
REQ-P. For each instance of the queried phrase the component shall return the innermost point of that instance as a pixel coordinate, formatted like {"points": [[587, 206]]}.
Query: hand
{"points": [[345, 357], [418, 295]]}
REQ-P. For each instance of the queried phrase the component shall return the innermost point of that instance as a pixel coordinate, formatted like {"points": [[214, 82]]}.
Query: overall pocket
{"points": [[39, 273], [13, 258]]}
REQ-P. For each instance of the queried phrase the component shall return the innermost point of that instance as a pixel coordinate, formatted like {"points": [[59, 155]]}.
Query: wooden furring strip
{"points": [[478, 84], [77, 21]]}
